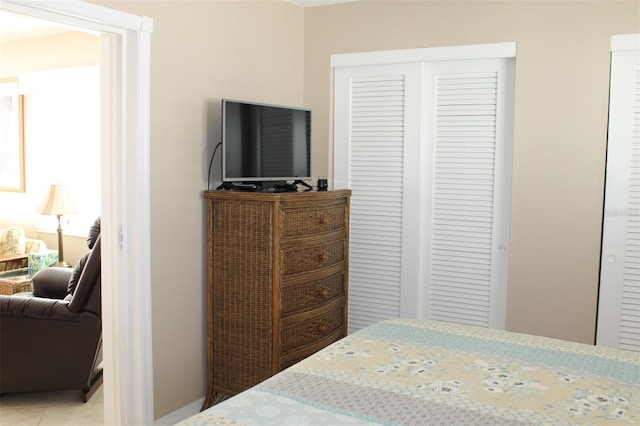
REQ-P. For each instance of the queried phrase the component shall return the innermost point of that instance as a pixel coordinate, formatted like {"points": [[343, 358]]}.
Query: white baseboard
{"points": [[180, 414]]}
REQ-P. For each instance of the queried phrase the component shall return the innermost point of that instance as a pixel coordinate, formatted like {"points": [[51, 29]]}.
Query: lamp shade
{"points": [[57, 202]]}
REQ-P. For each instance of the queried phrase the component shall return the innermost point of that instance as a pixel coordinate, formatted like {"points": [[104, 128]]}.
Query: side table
{"points": [[15, 281]]}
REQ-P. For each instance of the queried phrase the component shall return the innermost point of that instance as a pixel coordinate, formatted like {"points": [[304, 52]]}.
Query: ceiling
{"points": [[21, 27]]}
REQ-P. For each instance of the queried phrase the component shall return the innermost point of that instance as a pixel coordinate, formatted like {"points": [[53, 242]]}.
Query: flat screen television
{"points": [[265, 143]]}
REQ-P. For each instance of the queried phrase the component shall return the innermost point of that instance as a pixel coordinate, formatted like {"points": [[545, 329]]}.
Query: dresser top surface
{"points": [[279, 196]]}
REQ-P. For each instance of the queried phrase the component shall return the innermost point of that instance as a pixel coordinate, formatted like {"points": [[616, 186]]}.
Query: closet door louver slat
{"points": [[376, 178], [463, 197]]}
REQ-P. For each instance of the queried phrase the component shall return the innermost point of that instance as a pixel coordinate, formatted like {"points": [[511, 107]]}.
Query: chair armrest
{"points": [[51, 282], [25, 308], [45, 346]]}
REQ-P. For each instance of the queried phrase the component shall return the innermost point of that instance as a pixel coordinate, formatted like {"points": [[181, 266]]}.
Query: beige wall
{"points": [[201, 51], [74, 247], [562, 72]]}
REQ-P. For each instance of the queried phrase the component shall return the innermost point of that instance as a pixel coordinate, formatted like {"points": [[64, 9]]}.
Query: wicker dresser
{"points": [[276, 282]]}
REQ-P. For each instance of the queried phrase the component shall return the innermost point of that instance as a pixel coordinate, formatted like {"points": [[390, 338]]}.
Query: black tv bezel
{"points": [[260, 179]]}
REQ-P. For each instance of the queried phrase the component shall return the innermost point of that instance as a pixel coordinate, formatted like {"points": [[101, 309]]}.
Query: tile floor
{"points": [[51, 408]]}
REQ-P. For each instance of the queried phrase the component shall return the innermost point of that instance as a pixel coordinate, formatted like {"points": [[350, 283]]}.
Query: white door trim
{"points": [[427, 54], [624, 42], [125, 70]]}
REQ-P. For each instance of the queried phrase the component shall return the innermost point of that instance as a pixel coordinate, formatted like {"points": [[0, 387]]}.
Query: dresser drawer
{"points": [[313, 293], [301, 221], [309, 257], [307, 328]]}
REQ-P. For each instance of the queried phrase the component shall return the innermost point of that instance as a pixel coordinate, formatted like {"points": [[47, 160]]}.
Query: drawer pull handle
{"points": [[322, 328], [324, 293], [324, 220], [324, 257]]}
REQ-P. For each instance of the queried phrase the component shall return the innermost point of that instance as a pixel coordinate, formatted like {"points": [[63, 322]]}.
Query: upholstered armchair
{"points": [[52, 339]]}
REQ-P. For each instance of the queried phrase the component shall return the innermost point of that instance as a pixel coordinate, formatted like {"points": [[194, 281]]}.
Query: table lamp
{"points": [[58, 203]]}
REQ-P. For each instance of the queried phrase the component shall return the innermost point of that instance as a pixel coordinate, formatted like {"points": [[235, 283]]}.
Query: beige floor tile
{"points": [[22, 416], [66, 397], [70, 415], [51, 409]]}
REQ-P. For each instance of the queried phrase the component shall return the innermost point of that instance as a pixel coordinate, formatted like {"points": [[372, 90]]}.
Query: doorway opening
{"points": [[128, 386]]}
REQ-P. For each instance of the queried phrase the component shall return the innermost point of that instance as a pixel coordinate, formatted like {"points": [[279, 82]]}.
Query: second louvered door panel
{"points": [[464, 248]]}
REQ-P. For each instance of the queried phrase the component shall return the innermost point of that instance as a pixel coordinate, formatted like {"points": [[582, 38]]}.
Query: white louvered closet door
{"points": [[469, 114], [377, 122], [425, 149], [619, 300]]}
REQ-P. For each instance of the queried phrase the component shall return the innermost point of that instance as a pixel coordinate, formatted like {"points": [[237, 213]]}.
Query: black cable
{"points": [[210, 163]]}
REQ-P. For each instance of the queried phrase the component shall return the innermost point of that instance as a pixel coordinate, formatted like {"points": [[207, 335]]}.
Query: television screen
{"points": [[265, 142]]}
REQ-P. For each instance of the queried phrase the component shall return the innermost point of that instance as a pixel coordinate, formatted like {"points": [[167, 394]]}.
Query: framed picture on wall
{"points": [[11, 137]]}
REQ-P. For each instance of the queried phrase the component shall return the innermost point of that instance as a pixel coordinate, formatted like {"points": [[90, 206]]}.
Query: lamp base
{"points": [[63, 264]]}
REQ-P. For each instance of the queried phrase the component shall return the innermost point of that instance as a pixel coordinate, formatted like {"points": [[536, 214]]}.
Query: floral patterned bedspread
{"points": [[414, 372]]}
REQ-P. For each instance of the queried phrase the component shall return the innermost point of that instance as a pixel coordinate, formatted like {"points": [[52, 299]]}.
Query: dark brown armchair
{"points": [[52, 340]]}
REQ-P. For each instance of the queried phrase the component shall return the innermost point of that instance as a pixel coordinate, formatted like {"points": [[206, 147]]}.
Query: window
{"points": [[62, 140]]}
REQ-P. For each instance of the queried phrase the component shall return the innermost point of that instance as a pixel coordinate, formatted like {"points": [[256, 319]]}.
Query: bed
{"points": [[415, 372]]}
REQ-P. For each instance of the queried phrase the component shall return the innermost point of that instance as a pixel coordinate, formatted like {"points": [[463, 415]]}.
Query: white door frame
{"points": [[126, 272]]}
